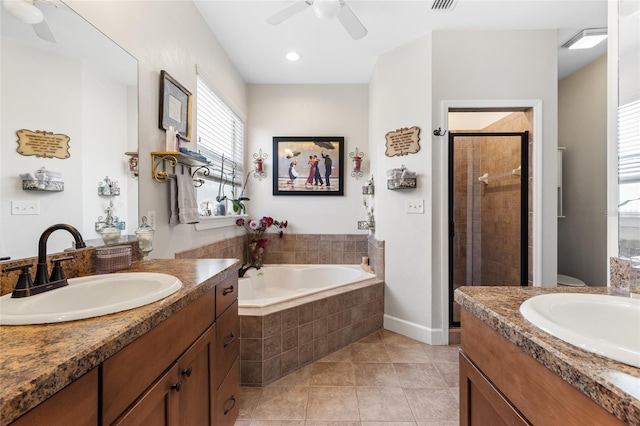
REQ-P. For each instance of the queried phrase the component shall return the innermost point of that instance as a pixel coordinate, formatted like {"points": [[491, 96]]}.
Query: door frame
{"points": [[538, 143]]}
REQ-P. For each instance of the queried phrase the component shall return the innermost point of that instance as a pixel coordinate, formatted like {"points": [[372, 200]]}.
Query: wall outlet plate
{"points": [[25, 207], [414, 206]]}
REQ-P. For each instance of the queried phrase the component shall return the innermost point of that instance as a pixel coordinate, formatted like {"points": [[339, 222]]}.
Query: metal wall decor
{"points": [[259, 170], [356, 156]]}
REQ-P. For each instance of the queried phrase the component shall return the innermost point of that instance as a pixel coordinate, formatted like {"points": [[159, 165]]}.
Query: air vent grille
{"points": [[443, 5]]}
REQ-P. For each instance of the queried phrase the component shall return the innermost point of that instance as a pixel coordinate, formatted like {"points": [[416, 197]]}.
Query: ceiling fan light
{"points": [[586, 39], [24, 10], [326, 9]]}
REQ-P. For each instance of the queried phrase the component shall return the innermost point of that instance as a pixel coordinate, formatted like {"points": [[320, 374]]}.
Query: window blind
{"points": [[220, 132], [629, 142]]}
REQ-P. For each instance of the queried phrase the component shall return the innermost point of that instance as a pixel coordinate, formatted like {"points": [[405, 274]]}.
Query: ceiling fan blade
{"points": [[44, 32], [289, 11], [350, 22]]}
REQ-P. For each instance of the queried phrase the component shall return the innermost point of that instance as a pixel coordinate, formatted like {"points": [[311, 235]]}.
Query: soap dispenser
{"points": [[144, 233]]}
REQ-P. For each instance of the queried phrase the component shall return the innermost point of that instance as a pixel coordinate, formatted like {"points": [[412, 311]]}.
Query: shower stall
{"points": [[488, 211]]}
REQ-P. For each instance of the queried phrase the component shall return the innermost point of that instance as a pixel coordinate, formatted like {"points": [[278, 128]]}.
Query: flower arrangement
{"points": [[256, 230]]}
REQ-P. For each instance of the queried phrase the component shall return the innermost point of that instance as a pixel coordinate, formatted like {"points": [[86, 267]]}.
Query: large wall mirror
{"points": [[629, 129], [76, 82]]}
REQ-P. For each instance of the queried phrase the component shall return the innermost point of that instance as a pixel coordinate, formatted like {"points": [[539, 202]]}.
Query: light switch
{"points": [[25, 207]]}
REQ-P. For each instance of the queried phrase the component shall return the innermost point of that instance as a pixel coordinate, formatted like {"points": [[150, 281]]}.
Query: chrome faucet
{"points": [[42, 276]]}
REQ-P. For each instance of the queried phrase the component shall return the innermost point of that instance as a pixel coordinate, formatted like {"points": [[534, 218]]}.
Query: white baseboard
{"points": [[416, 331]]}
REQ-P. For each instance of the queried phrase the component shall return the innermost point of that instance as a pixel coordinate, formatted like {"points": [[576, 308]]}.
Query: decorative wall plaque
{"points": [[403, 141], [43, 144]]}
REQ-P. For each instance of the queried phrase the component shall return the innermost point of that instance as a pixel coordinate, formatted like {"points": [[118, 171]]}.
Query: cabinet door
{"points": [[196, 368], [158, 406], [77, 404], [481, 403], [227, 406], [228, 342]]}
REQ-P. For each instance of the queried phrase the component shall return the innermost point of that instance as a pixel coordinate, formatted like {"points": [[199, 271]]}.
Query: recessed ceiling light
{"points": [[586, 39], [293, 56]]}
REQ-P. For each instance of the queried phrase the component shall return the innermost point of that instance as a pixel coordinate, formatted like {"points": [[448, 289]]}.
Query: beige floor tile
{"points": [[419, 375], [449, 372], [442, 353], [456, 393], [369, 352], [406, 353], [454, 423], [242, 423], [372, 338], [388, 423], [383, 404], [341, 355], [391, 338], [249, 398], [330, 423], [277, 423], [282, 404], [295, 379], [332, 374], [375, 374], [333, 403], [432, 405]]}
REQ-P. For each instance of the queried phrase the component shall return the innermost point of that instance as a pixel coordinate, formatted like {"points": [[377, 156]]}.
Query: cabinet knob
{"points": [[176, 386], [230, 341], [227, 290], [233, 404], [186, 372]]}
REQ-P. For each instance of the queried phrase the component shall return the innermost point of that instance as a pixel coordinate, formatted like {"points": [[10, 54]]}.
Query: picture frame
{"points": [[175, 106], [293, 173]]}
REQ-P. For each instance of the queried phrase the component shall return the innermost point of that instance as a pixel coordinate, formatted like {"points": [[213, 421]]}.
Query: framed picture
{"points": [[308, 165], [175, 106]]}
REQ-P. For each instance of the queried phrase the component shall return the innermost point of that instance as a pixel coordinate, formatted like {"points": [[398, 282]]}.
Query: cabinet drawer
{"points": [[127, 374], [227, 342], [227, 402], [226, 294]]}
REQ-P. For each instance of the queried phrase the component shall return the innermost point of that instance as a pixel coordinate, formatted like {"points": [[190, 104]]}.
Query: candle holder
{"points": [[356, 157], [259, 169]]}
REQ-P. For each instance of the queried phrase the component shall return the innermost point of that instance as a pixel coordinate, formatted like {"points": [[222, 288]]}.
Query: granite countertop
{"points": [[612, 385], [38, 360]]}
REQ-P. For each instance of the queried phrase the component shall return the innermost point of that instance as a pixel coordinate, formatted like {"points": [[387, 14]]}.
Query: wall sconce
{"points": [[259, 169], [357, 163]]}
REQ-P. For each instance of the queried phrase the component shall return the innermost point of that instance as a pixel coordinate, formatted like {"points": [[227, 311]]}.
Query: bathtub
{"points": [[273, 284]]}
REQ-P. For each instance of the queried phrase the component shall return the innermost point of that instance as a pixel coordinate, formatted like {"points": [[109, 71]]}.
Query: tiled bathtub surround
{"points": [[280, 339]]}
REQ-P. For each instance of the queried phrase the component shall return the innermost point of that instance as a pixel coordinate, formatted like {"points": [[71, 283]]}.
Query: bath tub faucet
{"points": [[244, 269]]}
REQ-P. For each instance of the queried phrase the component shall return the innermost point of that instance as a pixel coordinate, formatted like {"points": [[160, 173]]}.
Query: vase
{"points": [[255, 252]]}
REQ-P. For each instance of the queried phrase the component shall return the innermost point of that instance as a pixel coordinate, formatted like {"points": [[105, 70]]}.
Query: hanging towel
{"points": [[183, 200]]}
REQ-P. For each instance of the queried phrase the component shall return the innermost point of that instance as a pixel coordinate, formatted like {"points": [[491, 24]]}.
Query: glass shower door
{"points": [[488, 205]]}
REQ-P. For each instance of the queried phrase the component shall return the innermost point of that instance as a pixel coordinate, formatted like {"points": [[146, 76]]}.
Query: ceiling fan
{"points": [[29, 13], [324, 9]]}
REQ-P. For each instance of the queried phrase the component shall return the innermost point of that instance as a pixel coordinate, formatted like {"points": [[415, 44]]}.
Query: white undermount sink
{"points": [[88, 297], [605, 325]]}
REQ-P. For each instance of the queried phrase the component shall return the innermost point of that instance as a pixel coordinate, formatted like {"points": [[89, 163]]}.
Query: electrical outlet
{"points": [[414, 207], [25, 207], [151, 218]]}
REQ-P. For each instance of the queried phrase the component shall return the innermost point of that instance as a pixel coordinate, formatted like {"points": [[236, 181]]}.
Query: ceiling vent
{"points": [[443, 5]]}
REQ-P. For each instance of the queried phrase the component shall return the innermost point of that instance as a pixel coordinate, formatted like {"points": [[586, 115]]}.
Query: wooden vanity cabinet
{"points": [[500, 384], [175, 373], [76, 404]]}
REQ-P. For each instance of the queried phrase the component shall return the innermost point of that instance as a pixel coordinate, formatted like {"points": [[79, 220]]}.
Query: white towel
{"points": [[183, 200]]}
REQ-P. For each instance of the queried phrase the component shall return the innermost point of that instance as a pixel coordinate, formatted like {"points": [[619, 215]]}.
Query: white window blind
{"points": [[220, 131], [629, 142]]}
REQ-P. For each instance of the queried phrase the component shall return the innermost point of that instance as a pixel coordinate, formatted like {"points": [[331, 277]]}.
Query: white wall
{"points": [[582, 129], [408, 88], [400, 96], [309, 110], [171, 36]]}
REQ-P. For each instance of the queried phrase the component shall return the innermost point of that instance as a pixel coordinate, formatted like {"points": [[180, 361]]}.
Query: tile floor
{"points": [[383, 379]]}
